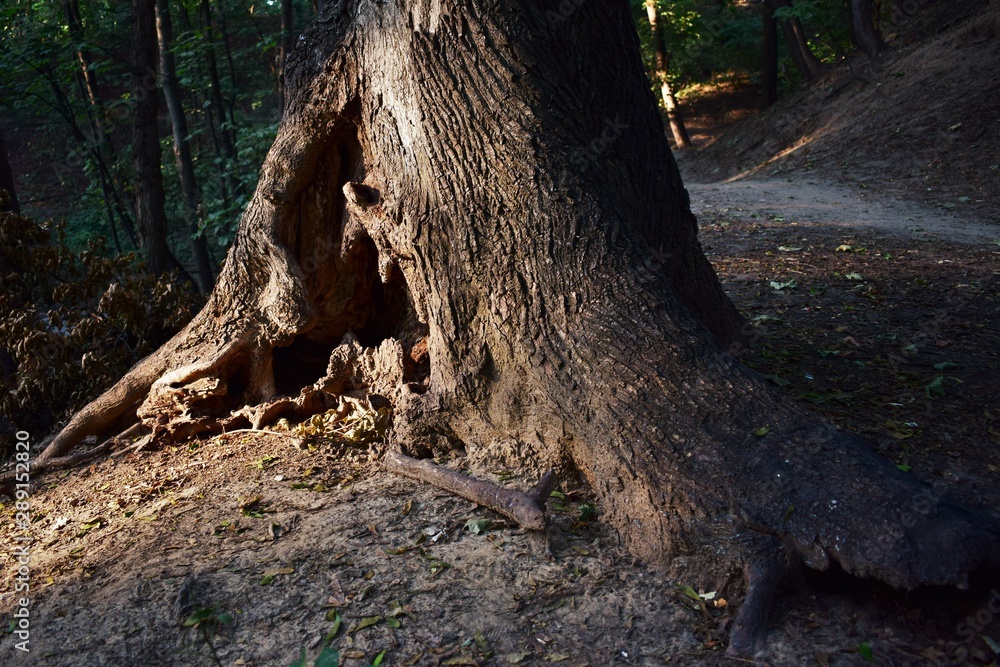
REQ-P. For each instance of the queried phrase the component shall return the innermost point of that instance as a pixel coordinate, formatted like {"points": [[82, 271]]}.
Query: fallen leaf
{"points": [[367, 623]]}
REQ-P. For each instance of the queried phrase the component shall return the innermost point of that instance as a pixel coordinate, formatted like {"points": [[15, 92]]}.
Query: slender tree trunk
{"points": [[863, 30], [681, 138], [8, 193], [438, 191], [318, 7], [221, 127], [89, 75], [284, 48], [769, 57], [220, 14], [217, 101], [151, 220], [100, 144], [113, 198], [798, 45], [202, 272]]}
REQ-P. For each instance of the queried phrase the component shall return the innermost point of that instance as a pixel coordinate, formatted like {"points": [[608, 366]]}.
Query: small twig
{"points": [[527, 509]]}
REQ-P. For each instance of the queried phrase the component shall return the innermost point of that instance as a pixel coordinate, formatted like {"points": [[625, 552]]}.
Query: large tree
{"points": [[471, 210]]}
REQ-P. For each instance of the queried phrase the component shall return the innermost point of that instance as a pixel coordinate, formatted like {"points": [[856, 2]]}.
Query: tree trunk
{"points": [[182, 148], [809, 65], [864, 33], [217, 102], [284, 48], [8, 194], [437, 191], [93, 94], [681, 138], [150, 218], [769, 57]]}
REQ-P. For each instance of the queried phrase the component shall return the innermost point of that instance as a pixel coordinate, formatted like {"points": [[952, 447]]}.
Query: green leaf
{"points": [[558, 494], [197, 617], [367, 622], [853, 276], [392, 622], [945, 366], [328, 657], [904, 468], [762, 431], [333, 615], [378, 659], [935, 387], [587, 512], [690, 592], [478, 526], [865, 651], [791, 284]]}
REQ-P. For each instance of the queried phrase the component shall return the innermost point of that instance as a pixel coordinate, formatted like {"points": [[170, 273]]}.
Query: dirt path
{"points": [[810, 201]]}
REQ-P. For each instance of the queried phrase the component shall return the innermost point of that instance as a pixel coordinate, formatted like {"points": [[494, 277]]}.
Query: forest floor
{"points": [[881, 314]]}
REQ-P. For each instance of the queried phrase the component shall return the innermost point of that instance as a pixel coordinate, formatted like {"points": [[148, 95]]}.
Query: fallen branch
{"points": [[527, 509]]}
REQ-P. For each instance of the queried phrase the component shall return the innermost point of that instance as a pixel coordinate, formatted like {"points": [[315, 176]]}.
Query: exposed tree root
{"points": [[527, 509], [41, 466]]}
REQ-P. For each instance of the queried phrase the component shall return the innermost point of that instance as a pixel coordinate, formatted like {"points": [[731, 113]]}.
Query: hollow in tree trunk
{"points": [[443, 221]]}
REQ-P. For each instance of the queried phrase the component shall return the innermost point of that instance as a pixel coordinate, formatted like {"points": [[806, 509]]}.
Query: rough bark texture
{"points": [[482, 188]]}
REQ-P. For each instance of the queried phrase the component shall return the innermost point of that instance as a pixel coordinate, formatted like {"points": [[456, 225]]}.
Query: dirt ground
{"points": [[883, 315]]}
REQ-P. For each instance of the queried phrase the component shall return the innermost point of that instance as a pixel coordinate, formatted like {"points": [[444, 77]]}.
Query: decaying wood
{"points": [[527, 509]]}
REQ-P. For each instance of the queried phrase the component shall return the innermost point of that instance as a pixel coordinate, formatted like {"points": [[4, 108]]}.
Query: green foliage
{"points": [[75, 161], [71, 323]]}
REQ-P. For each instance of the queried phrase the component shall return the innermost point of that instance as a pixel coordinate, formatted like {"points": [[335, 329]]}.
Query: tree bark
{"points": [[769, 57], [809, 65], [284, 48], [677, 127], [217, 102], [862, 28], [437, 194], [202, 272], [150, 218], [93, 94], [8, 193]]}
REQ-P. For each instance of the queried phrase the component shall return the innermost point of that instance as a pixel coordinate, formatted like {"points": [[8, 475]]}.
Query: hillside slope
{"points": [[923, 122]]}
